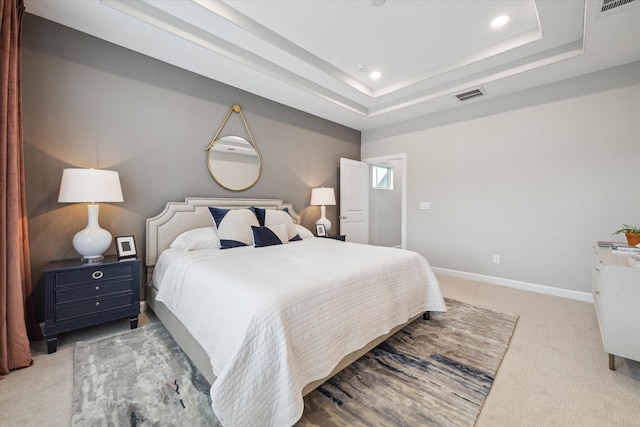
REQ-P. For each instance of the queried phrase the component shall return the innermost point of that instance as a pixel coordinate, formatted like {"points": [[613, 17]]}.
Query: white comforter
{"points": [[274, 319]]}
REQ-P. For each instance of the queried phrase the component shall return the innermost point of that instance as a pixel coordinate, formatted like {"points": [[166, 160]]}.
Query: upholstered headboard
{"points": [[178, 217]]}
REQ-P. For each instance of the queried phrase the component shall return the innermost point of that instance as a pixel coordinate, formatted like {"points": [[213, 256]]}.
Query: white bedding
{"points": [[274, 319]]}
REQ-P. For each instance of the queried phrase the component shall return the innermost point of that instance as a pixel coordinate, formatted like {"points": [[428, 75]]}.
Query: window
{"points": [[382, 177]]}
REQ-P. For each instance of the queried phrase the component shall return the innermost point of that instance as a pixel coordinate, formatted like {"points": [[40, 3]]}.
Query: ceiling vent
{"points": [[612, 4], [470, 94]]}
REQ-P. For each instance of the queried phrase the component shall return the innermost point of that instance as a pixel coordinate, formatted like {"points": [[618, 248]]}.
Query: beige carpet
{"points": [[555, 372]]}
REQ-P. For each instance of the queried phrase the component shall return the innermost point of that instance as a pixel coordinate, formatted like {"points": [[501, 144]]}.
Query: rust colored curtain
{"points": [[15, 269]]}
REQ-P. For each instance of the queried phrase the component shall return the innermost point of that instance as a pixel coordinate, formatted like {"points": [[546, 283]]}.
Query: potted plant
{"points": [[632, 233]]}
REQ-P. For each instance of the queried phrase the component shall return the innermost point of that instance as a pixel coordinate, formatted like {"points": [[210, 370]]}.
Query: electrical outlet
{"points": [[496, 259], [425, 205]]}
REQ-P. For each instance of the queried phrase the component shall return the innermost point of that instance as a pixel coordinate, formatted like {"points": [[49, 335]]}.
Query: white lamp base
{"points": [[93, 241], [323, 219]]}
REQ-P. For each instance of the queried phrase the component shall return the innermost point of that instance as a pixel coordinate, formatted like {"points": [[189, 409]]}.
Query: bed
{"points": [[266, 325]]}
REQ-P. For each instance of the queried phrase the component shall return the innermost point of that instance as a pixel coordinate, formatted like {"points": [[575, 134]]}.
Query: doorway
{"points": [[387, 200]]}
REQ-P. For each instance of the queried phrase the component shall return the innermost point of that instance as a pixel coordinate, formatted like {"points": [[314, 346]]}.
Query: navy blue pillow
{"points": [[270, 217], [266, 236]]}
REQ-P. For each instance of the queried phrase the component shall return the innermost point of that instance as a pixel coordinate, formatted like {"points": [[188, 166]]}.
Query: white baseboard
{"points": [[532, 287]]}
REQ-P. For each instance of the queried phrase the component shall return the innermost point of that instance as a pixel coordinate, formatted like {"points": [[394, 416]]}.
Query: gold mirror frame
{"points": [[235, 155]]}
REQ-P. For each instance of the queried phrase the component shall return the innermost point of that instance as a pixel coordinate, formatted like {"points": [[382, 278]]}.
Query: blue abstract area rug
{"points": [[431, 373]]}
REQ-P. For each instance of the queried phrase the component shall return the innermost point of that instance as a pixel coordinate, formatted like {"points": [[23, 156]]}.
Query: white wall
{"points": [[536, 185]]}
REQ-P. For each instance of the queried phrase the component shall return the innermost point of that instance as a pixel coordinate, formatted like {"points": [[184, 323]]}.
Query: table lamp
{"points": [[90, 186], [323, 197]]}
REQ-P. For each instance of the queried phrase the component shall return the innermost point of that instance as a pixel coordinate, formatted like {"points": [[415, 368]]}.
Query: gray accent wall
{"points": [[535, 178], [89, 103]]}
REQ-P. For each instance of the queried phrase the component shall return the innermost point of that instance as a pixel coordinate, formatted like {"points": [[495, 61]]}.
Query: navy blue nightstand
{"points": [[80, 294]]}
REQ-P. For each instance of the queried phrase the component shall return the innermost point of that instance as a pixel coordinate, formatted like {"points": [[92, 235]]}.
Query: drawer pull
{"points": [[97, 288], [97, 274], [97, 303]]}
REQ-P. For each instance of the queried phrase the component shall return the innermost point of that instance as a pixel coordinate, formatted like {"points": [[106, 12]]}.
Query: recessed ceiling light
{"points": [[375, 75], [499, 21]]}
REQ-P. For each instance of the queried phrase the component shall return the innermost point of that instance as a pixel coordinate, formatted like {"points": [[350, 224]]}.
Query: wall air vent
{"points": [[612, 4], [470, 94]]}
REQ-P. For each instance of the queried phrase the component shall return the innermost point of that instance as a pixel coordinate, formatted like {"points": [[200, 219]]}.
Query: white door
{"points": [[354, 200]]}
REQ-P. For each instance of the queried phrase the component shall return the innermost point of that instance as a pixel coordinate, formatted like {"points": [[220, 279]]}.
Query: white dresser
{"points": [[616, 293]]}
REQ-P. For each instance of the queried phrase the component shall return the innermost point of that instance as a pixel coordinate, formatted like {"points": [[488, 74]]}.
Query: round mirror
{"points": [[234, 163]]}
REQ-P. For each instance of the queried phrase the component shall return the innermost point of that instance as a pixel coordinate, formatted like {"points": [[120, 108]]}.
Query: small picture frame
{"points": [[320, 230], [126, 247]]}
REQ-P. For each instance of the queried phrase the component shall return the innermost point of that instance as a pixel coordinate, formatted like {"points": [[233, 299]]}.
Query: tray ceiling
{"points": [[317, 55]]}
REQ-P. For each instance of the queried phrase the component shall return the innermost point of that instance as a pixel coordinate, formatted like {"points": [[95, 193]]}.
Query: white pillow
{"points": [[276, 217], [234, 226], [303, 232], [198, 238]]}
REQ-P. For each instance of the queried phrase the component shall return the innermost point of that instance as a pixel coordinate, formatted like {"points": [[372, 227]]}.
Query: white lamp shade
{"points": [[89, 185], [323, 196]]}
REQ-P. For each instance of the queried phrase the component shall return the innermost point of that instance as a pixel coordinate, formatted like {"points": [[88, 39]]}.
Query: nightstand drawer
{"points": [[94, 305], [65, 294], [95, 274]]}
